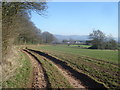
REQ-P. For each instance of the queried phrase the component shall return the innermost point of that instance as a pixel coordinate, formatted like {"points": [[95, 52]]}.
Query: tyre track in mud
{"points": [[39, 76], [76, 79], [73, 82]]}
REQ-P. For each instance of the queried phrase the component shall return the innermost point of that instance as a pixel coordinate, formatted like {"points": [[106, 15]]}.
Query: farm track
{"points": [[39, 76], [79, 79], [72, 81]]}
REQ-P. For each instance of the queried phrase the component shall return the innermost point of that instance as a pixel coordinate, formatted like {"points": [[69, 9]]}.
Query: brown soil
{"points": [[73, 82], [77, 79], [39, 76]]}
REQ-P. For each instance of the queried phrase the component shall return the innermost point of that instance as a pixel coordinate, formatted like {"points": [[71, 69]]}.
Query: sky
{"points": [[78, 18]]}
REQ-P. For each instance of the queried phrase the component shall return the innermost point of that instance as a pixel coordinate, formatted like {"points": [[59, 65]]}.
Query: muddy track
{"points": [[39, 76], [72, 81], [79, 77]]}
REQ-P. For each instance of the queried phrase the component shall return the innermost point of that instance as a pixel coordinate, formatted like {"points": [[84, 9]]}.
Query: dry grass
{"points": [[18, 71], [10, 64]]}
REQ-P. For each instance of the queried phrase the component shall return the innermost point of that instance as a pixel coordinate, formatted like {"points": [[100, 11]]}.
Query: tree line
{"points": [[17, 27], [28, 33], [101, 41], [98, 40]]}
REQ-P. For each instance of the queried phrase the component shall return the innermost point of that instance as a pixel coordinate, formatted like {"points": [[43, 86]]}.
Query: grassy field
{"points": [[107, 55], [94, 63], [82, 46], [21, 78], [101, 65]]}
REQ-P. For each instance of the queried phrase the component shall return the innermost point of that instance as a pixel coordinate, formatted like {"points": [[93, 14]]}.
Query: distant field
{"points": [[83, 46], [107, 55], [101, 65]]}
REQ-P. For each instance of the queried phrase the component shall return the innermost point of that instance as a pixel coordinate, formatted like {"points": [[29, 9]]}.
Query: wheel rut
{"points": [[39, 76], [76, 79]]}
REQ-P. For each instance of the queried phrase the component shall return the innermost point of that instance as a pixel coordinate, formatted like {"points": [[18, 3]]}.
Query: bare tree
{"points": [[101, 41], [98, 38], [111, 43], [16, 25], [47, 37], [10, 12]]}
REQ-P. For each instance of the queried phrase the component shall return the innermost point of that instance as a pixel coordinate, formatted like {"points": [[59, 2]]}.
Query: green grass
{"points": [[55, 77], [22, 77], [84, 60], [88, 61], [83, 46], [107, 55]]}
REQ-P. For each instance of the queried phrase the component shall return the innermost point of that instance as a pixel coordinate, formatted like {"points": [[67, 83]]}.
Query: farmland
{"points": [[106, 55], [82, 46], [44, 46], [101, 65], [53, 74]]}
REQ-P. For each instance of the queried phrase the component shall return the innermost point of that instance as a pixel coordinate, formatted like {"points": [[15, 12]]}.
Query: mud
{"points": [[85, 80], [39, 76]]}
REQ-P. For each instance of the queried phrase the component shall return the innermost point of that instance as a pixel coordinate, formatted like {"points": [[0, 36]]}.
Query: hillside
{"points": [[73, 37]]}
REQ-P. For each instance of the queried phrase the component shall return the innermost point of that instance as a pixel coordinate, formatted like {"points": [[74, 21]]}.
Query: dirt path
{"points": [[76, 79], [73, 82], [39, 76]]}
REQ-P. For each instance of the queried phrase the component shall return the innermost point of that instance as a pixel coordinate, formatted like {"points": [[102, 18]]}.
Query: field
{"points": [[82, 46], [106, 55], [61, 50], [99, 65]]}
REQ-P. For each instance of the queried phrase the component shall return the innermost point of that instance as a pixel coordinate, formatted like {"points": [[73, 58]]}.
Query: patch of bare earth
{"points": [[73, 82], [39, 78]]}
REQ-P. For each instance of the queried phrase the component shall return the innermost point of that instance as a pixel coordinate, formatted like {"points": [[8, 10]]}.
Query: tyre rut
{"points": [[39, 76], [79, 77]]}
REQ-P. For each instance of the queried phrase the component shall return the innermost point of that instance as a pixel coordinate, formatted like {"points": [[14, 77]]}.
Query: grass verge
{"points": [[22, 77]]}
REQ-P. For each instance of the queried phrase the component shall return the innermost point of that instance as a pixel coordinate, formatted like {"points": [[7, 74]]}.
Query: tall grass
{"points": [[20, 78]]}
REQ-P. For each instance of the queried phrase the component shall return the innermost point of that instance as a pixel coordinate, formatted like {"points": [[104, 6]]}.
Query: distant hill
{"points": [[76, 37], [73, 37]]}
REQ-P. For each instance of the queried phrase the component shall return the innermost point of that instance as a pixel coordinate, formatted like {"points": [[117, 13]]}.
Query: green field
{"points": [[107, 55], [94, 63], [82, 46], [100, 65]]}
